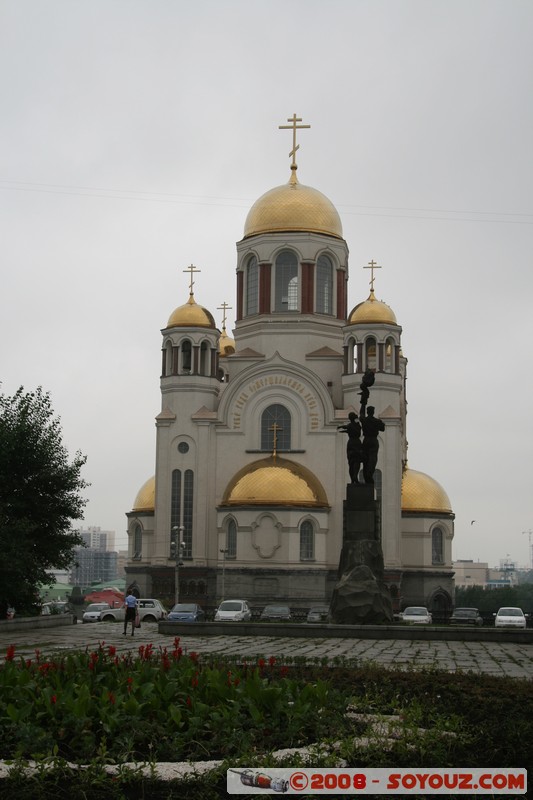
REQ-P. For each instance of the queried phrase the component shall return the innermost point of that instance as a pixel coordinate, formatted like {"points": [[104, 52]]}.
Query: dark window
{"points": [[275, 415], [324, 286], [183, 447], [286, 298], [137, 542], [231, 539], [182, 493], [437, 546], [186, 351], [371, 358], [307, 541], [252, 286]]}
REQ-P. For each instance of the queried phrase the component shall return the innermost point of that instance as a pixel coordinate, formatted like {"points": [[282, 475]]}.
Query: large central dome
{"points": [[293, 207]]}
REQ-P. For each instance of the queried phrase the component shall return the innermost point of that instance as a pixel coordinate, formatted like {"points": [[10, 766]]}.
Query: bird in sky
{"points": [[472, 521]]}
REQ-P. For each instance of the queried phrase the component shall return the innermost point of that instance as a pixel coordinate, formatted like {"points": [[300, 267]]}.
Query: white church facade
{"points": [[251, 471]]}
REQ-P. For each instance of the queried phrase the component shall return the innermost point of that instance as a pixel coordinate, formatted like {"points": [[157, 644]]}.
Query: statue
{"points": [[371, 427], [354, 452]]}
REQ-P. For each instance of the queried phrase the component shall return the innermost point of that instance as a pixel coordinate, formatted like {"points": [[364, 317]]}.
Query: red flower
{"points": [[284, 670], [10, 652], [261, 663], [112, 650], [194, 656], [37, 654], [189, 702], [176, 641], [111, 698], [53, 699], [272, 660]]}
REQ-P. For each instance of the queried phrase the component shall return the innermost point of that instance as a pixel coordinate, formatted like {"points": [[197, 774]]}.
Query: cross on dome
{"points": [[293, 120], [372, 265], [275, 428], [224, 307], [191, 269]]}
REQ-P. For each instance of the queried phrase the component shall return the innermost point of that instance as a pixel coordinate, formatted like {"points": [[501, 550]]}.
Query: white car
{"points": [[233, 611], [417, 615], [93, 612], [510, 618], [150, 610]]}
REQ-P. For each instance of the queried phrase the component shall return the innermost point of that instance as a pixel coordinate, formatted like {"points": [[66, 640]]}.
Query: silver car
{"points": [[93, 612], [233, 611]]}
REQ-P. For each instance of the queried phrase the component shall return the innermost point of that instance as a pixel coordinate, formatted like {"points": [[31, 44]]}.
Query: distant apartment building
{"points": [[91, 566], [97, 539], [471, 573]]}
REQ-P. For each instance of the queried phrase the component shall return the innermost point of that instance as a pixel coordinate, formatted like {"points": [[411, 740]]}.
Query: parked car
{"points": [[59, 607], [317, 614], [416, 615], [150, 610], [187, 612], [510, 618], [466, 616], [93, 612], [276, 613], [233, 611]]}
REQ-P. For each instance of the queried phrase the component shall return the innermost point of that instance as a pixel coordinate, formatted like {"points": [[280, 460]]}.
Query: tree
{"points": [[39, 498]]}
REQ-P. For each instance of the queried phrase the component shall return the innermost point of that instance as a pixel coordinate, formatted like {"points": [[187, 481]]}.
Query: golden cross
{"points": [[192, 269], [293, 120], [372, 265], [224, 307], [275, 427]]}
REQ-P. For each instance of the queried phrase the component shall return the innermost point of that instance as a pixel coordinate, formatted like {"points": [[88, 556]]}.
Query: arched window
{"points": [[137, 542], [204, 359], [231, 539], [252, 286], [307, 541], [186, 352], [437, 546], [370, 352], [389, 355], [286, 292], [278, 416], [324, 285]]}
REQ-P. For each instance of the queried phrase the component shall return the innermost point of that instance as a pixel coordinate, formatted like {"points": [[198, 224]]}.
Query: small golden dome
{"points": [[275, 481], [422, 493], [226, 345], [293, 207], [145, 500], [191, 315], [372, 310]]}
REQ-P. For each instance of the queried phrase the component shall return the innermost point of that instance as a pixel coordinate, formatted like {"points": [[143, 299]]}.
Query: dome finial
{"points": [[224, 307], [372, 265], [192, 269], [294, 127]]}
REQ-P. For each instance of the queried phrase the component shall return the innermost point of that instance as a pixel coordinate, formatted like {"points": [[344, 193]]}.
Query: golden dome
{"points": [[372, 310], [422, 493], [275, 481], [293, 207], [145, 500], [226, 345], [191, 315]]}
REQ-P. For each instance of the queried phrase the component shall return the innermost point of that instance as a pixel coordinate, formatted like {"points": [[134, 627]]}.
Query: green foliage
{"points": [[490, 600], [39, 497]]}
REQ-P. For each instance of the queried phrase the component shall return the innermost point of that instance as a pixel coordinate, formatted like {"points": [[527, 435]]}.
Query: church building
{"points": [[250, 469]]}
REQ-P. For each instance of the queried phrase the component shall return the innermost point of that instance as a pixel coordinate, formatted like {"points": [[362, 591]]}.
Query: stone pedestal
{"points": [[360, 595]]}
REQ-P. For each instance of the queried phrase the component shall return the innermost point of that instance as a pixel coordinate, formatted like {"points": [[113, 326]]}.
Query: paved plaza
{"points": [[493, 658]]}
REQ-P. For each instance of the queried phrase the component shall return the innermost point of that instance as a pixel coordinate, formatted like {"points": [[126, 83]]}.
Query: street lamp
{"points": [[177, 547], [224, 553]]}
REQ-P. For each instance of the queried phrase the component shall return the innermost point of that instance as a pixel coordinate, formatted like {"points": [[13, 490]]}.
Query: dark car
{"points": [[59, 607], [276, 613], [318, 614], [187, 612], [466, 616]]}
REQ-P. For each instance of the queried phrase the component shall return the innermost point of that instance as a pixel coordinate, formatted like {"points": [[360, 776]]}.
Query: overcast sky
{"points": [[136, 134]]}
